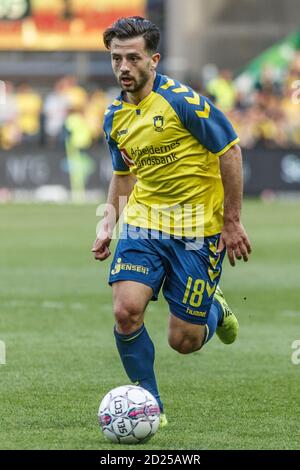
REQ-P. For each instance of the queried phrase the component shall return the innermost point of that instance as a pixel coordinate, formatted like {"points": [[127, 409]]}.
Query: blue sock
{"points": [[137, 354], [214, 318]]}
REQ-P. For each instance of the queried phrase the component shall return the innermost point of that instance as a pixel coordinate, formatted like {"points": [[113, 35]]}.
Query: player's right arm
{"points": [[120, 188], [119, 191]]}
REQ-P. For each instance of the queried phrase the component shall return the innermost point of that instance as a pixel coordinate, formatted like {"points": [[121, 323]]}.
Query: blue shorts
{"points": [[187, 270]]}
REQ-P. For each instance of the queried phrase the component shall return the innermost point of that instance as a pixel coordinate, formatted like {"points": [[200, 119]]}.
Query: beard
{"points": [[137, 84]]}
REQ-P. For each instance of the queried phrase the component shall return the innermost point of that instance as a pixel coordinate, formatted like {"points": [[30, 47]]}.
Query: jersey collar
{"points": [[144, 100]]}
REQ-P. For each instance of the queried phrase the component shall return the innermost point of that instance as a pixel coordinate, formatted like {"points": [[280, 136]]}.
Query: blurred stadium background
{"points": [[56, 82], [55, 306]]}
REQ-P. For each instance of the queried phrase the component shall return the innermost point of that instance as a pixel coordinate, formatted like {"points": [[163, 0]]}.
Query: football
{"points": [[129, 415]]}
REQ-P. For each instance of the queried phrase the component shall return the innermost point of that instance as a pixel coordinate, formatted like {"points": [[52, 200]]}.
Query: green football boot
{"points": [[228, 329], [163, 422]]}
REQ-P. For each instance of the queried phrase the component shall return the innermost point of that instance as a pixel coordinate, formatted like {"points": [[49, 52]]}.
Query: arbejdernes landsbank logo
{"points": [[158, 122]]}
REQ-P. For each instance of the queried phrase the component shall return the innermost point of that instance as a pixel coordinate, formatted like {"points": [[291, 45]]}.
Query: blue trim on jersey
{"points": [[157, 81], [214, 132], [117, 160]]}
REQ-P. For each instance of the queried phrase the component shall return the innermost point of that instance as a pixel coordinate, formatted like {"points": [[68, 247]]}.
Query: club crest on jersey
{"points": [[158, 122], [127, 160]]}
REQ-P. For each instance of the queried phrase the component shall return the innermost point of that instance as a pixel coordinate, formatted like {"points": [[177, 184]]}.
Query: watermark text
{"points": [[296, 353], [2, 353], [153, 221], [296, 92], [2, 93]]}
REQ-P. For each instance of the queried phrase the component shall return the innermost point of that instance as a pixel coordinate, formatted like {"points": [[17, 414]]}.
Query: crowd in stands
{"points": [[29, 117], [268, 114]]}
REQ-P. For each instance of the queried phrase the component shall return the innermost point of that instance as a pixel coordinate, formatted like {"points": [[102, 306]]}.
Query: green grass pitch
{"points": [[57, 324]]}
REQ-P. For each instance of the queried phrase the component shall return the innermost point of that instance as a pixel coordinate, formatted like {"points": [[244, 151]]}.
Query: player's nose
{"points": [[124, 66]]}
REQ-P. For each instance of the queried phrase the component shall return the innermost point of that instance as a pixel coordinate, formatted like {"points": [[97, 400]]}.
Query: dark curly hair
{"points": [[131, 27]]}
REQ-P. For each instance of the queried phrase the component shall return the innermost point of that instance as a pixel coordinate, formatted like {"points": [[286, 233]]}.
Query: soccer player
{"points": [[172, 150]]}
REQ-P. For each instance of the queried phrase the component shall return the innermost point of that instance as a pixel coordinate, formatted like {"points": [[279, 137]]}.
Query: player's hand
{"points": [[101, 245], [235, 239]]}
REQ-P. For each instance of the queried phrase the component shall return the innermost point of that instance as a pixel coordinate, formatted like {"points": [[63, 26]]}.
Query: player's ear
{"points": [[154, 60]]}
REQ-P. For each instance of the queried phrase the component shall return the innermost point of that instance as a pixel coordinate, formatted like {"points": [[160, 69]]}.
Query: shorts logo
{"points": [[196, 313], [119, 266], [158, 122]]}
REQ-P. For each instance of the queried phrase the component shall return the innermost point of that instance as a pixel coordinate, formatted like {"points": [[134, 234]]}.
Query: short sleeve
{"points": [[200, 117], [118, 164], [209, 126]]}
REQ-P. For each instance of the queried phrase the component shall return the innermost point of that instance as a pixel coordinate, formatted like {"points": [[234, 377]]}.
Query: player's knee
{"points": [[128, 317], [184, 345]]}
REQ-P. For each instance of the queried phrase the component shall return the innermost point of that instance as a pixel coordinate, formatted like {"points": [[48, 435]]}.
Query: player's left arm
{"points": [[215, 132], [233, 235]]}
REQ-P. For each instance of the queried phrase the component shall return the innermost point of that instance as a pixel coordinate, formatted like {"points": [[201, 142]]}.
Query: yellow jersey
{"points": [[171, 141]]}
